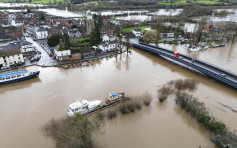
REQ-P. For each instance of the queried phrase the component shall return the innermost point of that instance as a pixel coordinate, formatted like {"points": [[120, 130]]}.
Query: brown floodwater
{"points": [[26, 106]]}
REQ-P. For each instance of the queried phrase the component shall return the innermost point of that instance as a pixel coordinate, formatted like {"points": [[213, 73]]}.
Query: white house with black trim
{"points": [[41, 33], [109, 46]]}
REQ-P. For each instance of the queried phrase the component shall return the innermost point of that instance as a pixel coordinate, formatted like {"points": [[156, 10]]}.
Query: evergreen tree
{"points": [[28, 10], [42, 16], [66, 39], [95, 34], [54, 39]]}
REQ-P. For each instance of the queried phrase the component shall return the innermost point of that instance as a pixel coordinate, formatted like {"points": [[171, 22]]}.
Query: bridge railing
{"points": [[199, 68], [196, 60]]}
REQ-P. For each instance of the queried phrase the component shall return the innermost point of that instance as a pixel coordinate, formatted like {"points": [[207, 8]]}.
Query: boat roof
{"points": [[78, 104], [4, 75], [113, 94]]}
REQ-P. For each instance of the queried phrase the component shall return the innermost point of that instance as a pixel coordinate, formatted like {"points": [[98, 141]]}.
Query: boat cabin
{"points": [[114, 97], [78, 106], [13, 75]]}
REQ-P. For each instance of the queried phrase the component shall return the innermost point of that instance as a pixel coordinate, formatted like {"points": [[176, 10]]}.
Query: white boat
{"points": [[193, 48], [82, 107]]}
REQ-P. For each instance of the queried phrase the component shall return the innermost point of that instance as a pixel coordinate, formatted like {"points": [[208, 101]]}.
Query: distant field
{"points": [[184, 2], [35, 1], [3, 1]]}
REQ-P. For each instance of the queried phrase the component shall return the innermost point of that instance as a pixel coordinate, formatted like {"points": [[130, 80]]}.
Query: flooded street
{"points": [[26, 106]]}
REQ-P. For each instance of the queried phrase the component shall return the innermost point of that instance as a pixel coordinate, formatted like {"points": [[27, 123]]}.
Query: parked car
{"points": [[39, 52]]}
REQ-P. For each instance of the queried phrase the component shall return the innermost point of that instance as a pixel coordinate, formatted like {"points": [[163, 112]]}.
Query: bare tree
{"points": [[151, 37]]}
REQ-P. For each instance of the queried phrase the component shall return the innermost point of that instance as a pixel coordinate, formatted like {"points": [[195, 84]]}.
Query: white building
{"points": [[137, 33], [167, 35], [62, 55], [27, 47], [11, 55], [109, 46], [41, 33], [105, 38]]}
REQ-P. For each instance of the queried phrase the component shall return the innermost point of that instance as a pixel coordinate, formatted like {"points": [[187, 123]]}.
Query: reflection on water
{"points": [[18, 85], [155, 126], [24, 110]]}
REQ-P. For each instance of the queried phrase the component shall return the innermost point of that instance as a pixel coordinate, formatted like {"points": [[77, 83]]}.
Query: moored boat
{"points": [[17, 76], [193, 48], [218, 45], [203, 47], [114, 97], [82, 107]]}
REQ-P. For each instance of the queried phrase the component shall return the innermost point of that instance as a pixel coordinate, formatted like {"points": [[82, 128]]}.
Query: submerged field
{"points": [[35, 1]]}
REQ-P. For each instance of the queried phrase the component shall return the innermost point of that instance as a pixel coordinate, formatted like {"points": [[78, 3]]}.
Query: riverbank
{"points": [[67, 64]]}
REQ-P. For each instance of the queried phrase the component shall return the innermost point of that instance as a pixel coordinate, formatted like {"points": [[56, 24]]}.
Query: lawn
{"points": [[83, 39], [91, 3], [184, 2], [130, 29]]}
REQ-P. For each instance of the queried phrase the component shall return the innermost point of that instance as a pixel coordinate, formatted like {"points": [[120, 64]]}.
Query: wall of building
{"points": [[89, 26], [42, 35], [27, 48], [76, 56], [11, 60]]}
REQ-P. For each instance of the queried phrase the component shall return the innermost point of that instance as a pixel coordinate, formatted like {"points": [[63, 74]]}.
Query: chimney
{"points": [[61, 41]]}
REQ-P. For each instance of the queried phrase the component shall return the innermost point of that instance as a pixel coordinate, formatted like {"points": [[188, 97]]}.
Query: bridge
{"points": [[200, 66]]}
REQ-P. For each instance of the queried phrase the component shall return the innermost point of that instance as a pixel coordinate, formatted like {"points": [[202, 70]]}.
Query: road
{"points": [[45, 59]]}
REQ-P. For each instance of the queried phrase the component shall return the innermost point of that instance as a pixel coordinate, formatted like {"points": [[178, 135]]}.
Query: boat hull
{"points": [[36, 74]]}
